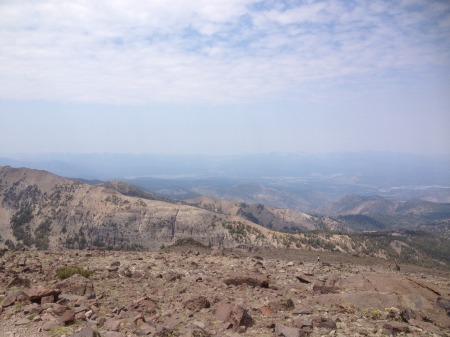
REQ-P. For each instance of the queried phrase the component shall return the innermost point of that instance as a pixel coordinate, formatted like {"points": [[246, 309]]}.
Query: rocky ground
{"points": [[193, 291]]}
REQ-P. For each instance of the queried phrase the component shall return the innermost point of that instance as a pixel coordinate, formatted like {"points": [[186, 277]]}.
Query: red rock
{"points": [[252, 279], [112, 324], [171, 276], [267, 311], [9, 300], [68, 317], [284, 331], [234, 314], [396, 327], [49, 325], [304, 279], [197, 303], [146, 304], [282, 305], [19, 282], [77, 285], [37, 293], [48, 299], [86, 331], [33, 308], [22, 321], [115, 334]]}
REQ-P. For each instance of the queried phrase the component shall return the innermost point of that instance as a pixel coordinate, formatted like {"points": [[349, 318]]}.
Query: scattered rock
{"points": [[115, 334], [282, 305], [19, 282], [50, 325], [233, 314], [253, 279], [68, 317], [22, 321], [36, 294], [112, 324], [444, 304], [323, 322], [284, 331], [86, 331], [396, 327], [172, 276], [197, 303], [304, 279]]}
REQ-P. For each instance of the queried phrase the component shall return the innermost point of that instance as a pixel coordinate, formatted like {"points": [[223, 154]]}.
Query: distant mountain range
{"points": [[299, 181], [42, 210], [48, 211]]}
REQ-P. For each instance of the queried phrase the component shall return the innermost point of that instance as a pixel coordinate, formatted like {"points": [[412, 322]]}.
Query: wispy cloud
{"points": [[211, 51]]}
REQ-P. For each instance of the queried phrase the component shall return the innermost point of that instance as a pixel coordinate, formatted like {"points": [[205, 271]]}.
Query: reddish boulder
{"points": [[252, 279], [234, 314], [77, 285]]}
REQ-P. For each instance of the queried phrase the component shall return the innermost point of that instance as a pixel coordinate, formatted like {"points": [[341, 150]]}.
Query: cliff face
{"points": [[40, 209]]}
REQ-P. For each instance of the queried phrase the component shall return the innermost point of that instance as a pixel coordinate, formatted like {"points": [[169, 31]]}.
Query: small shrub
{"points": [[61, 330], [66, 272]]}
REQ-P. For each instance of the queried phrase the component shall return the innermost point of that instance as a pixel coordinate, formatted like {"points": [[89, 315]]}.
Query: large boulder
{"points": [[36, 294], [233, 314], [77, 285], [251, 279]]}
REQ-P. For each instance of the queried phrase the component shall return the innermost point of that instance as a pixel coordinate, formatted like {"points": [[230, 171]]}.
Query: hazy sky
{"points": [[224, 76]]}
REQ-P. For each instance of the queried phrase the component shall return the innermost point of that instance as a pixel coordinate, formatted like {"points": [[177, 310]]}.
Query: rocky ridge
{"points": [[275, 218], [195, 291], [70, 214]]}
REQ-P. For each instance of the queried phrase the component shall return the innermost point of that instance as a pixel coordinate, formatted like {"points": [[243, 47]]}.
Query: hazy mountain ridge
{"points": [[285, 180], [356, 204], [377, 213], [287, 220], [74, 214], [39, 209]]}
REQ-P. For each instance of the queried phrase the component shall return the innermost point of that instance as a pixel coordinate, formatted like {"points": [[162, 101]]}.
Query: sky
{"points": [[224, 76]]}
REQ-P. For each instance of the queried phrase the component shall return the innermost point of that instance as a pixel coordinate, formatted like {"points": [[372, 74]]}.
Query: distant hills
{"points": [[45, 211], [375, 213], [40, 209], [300, 181]]}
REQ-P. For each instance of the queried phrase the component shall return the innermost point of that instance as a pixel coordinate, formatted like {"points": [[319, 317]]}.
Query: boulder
{"points": [[282, 305], [19, 282], [304, 279], [236, 315], [251, 279], [86, 331], [396, 327], [146, 305], [68, 317], [444, 304], [172, 276], [196, 304], [77, 285], [112, 324], [37, 293], [285, 331]]}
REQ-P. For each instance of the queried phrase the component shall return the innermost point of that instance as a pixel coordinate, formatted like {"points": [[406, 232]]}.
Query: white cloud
{"points": [[220, 51]]}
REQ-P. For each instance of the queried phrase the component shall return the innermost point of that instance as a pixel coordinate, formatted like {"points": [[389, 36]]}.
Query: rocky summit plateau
{"points": [[191, 290]]}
